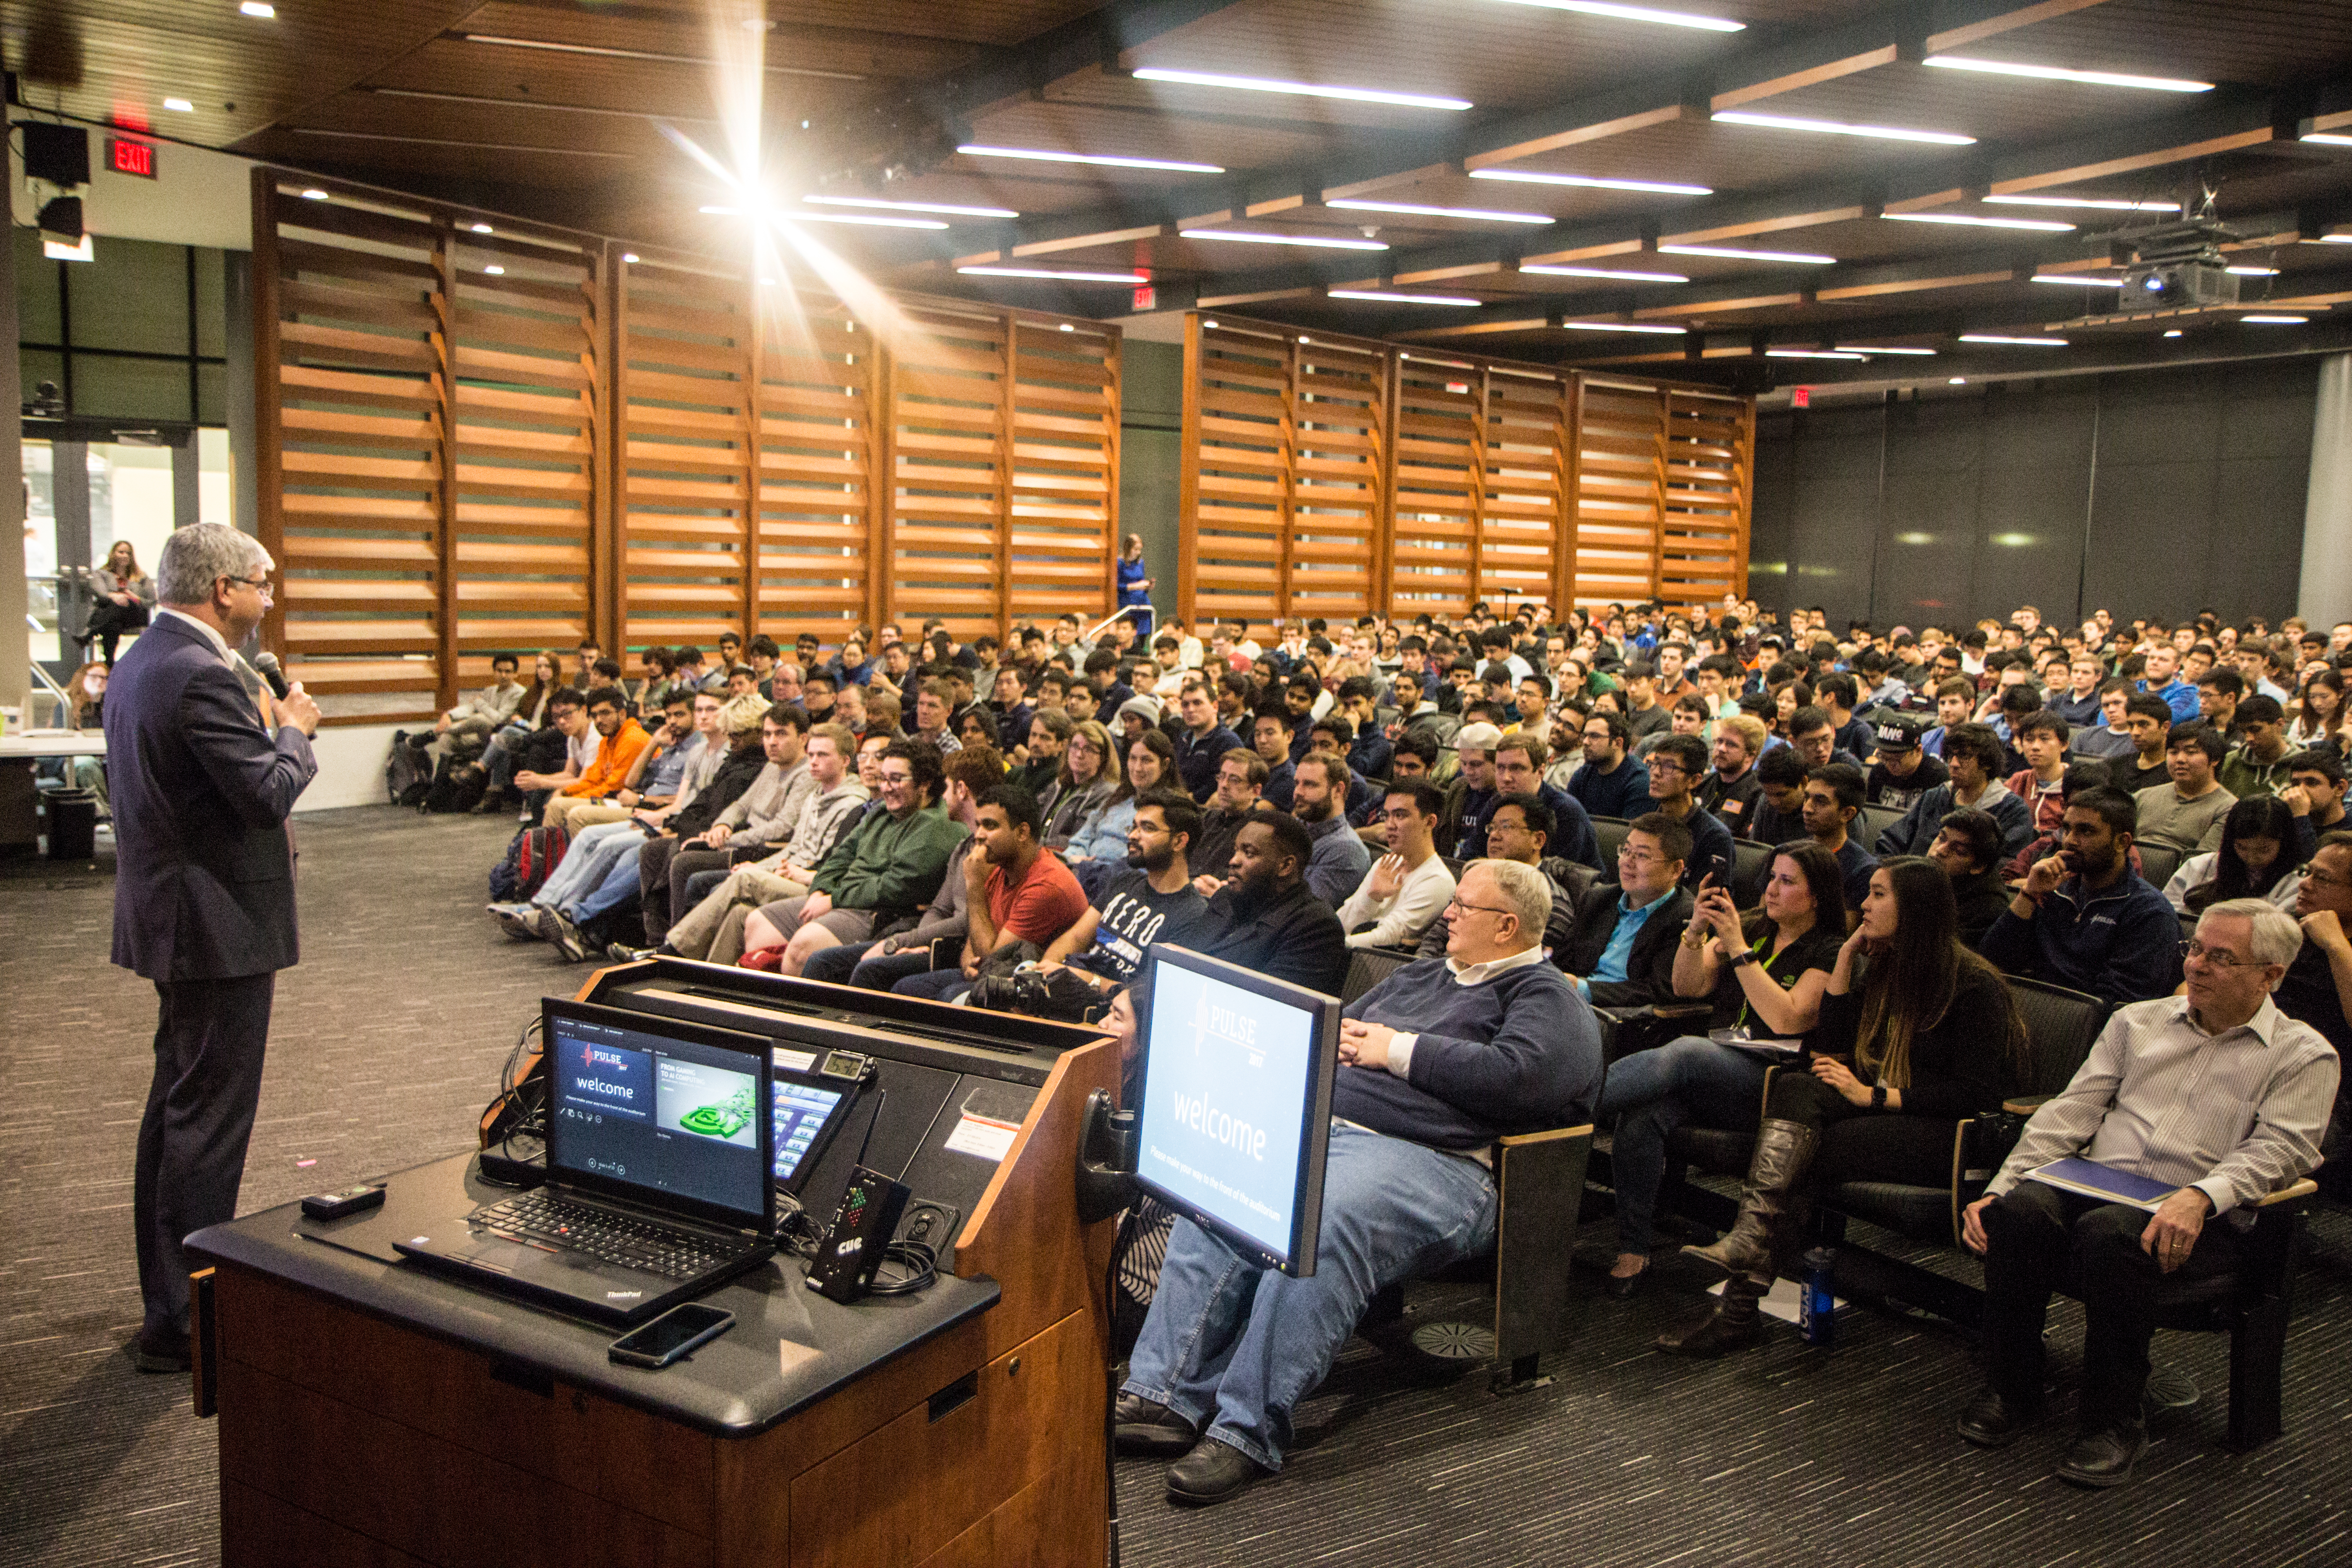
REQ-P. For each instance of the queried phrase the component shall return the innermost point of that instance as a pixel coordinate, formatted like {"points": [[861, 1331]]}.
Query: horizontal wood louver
{"points": [[950, 475], [818, 447], [684, 411], [1326, 476], [352, 362], [1065, 470]]}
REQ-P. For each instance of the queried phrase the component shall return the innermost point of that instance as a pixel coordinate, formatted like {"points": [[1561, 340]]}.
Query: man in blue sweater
{"points": [[1438, 1061]]}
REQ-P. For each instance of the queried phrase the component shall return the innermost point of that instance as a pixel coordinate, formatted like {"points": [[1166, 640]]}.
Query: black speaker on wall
{"points": [[58, 153]]}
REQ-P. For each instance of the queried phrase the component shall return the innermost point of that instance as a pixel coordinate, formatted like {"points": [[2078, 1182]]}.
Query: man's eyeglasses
{"points": [[1456, 906], [2217, 957], [2311, 873], [259, 585], [892, 778]]}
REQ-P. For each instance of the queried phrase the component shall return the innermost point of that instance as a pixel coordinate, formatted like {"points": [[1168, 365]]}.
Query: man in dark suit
{"points": [[203, 894], [1621, 952]]}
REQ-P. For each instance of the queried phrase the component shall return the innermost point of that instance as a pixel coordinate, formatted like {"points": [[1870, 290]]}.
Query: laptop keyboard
{"points": [[610, 1237]]}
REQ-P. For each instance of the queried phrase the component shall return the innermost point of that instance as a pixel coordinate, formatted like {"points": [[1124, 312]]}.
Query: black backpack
{"points": [[409, 774], [457, 786]]}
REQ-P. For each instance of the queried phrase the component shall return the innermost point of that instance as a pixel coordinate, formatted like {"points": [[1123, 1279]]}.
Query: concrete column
{"points": [[2326, 592], [186, 506]]}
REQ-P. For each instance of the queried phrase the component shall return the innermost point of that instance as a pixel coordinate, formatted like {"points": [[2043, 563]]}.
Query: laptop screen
{"points": [[658, 1112]]}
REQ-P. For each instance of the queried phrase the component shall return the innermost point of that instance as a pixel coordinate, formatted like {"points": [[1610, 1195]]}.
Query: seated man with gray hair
{"points": [[1438, 1061], [2215, 1090]]}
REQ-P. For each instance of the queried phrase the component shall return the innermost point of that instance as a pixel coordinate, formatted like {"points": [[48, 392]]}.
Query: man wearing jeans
{"points": [[1438, 1061], [2216, 1090]]}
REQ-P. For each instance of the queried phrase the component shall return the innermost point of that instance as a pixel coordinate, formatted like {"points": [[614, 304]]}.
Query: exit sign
{"points": [[125, 156]]}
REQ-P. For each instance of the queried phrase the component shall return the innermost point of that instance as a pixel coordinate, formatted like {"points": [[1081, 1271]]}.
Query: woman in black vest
{"points": [[1912, 1038]]}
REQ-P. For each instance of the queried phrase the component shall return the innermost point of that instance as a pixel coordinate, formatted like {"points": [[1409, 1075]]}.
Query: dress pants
{"points": [[2038, 1237], [209, 1038], [1233, 1347]]}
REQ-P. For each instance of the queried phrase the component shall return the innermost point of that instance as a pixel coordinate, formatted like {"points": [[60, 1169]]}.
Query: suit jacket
{"points": [[1649, 969], [203, 884]]}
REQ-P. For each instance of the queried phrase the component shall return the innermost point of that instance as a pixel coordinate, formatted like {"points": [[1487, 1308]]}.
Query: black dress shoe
{"points": [[1211, 1472], [1993, 1420], [154, 1351], [1140, 1427], [2105, 1457]]}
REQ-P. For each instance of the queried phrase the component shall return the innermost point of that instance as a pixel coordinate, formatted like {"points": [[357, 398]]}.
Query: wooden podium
{"points": [[372, 1416]]}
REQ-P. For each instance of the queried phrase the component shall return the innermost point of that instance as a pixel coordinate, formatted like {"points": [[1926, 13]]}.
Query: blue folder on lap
{"points": [[2088, 1178]]}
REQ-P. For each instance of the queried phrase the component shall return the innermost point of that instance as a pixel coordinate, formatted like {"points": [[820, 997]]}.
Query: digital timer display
{"points": [[127, 157]]}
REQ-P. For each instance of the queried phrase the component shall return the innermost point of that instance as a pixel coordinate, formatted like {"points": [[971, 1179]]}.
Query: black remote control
{"points": [[862, 1229], [350, 1201]]}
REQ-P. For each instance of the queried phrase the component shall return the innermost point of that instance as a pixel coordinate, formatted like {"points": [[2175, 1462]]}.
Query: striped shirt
{"points": [[2237, 1114]]}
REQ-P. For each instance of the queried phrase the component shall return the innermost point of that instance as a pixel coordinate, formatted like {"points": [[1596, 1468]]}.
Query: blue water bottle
{"points": [[1817, 1312]]}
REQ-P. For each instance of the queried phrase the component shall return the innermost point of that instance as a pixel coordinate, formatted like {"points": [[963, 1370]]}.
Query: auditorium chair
{"points": [[1368, 966], [1752, 863], [1873, 821], [1611, 831], [2158, 862]]}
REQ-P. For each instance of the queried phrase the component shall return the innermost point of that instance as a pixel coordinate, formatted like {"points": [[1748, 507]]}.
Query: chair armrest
{"points": [[1680, 1008], [2026, 1104], [946, 950], [1521, 1140], [2294, 1192]]}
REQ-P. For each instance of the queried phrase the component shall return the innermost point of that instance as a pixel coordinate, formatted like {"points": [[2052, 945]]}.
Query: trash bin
{"points": [[73, 824]]}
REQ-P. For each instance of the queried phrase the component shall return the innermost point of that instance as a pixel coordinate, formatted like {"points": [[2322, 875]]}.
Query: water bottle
{"points": [[1817, 1309]]}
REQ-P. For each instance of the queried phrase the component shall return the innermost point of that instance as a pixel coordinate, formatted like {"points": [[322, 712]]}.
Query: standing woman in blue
{"points": [[1134, 587]]}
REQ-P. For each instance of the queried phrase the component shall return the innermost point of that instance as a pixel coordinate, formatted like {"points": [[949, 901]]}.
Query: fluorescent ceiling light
{"points": [[2252, 271], [1810, 353], [261, 8], [1529, 177], [1603, 272], [2096, 204], [1042, 155], [871, 220], [2082, 278], [553, 47], [2060, 73], [314, 195], [1971, 220], [482, 228], [1959, 381], [1795, 256], [1402, 299], [1657, 327], [1299, 89], [495, 270], [2014, 342], [1057, 277], [628, 255], [2336, 240], [179, 106], [1838, 128], [2275, 321], [2326, 139], [949, 207], [1882, 349], [1639, 14], [1481, 214], [2172, 332], [1320, 241]]}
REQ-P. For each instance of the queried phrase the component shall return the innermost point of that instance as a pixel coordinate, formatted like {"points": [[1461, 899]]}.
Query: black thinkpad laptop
{"points": [[660, 1139]]}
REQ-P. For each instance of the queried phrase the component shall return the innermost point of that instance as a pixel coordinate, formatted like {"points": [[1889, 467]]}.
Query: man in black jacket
{"points": [[1274, 922], [204, 895], [1622, 950]]}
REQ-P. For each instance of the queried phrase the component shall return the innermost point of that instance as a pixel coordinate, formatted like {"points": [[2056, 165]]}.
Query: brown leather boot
{"points": [[1784, 1151], [1732, 1326]]}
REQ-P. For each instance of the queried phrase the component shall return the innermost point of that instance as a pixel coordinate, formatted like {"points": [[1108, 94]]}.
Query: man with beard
{"points": [[1340, 859], [2082, 920], [1152, 901], [1273, 922]]}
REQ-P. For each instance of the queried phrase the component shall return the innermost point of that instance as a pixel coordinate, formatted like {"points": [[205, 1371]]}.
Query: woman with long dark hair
{"points": [[2319, 712], [1915, 1035], [2252, 862], [125, 597], [1766, 975]]}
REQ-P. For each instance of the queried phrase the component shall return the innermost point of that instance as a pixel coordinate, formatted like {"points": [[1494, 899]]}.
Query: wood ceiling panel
{"points": [[2243, 41]]}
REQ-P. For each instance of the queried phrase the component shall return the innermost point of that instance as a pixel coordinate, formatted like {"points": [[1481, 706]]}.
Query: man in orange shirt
{"points": [[621, 738]]}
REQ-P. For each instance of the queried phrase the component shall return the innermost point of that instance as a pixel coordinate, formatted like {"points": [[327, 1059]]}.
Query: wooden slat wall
{"points": [[1323, 476], [610, 441]]}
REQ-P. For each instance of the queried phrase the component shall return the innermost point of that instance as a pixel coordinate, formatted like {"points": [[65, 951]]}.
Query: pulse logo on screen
{"points": [[609, 1078]]}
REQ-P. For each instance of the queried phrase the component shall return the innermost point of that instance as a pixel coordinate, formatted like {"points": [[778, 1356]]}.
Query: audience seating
{"points": [[1752, 863], [1611, 831], [1368, 966], [1873, 821], [2158, 863]]}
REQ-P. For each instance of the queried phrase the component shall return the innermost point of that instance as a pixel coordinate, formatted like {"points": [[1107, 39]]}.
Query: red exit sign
{"points": [[127, 157]]}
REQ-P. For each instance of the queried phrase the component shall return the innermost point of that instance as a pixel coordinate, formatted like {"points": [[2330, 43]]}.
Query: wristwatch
{"points": [[1878, 1096], [1746, 955]]}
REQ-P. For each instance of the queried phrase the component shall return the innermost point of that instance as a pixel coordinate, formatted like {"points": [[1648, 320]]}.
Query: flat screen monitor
{"points": [[1235, 1108]]}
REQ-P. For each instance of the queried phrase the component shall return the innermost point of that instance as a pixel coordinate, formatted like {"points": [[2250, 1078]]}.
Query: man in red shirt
{"points": [[1016, 890]]}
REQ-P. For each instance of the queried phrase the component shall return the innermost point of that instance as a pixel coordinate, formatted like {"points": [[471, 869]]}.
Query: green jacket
{"points": [[2248, 779], [887, 865]]}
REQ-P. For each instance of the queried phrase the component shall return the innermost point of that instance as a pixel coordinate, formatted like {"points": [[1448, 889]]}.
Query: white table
{"points": [[19, 748]]}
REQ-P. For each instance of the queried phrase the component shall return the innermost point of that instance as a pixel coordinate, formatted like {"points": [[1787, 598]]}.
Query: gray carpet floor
{"points": [[387, 1041]]}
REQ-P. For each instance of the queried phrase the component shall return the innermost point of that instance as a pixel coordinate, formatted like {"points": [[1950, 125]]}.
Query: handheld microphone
{"points": [[272, 672]]}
